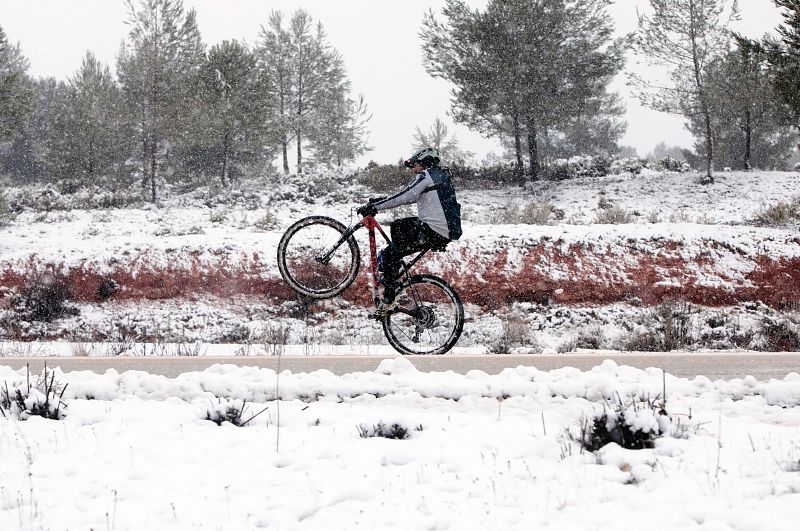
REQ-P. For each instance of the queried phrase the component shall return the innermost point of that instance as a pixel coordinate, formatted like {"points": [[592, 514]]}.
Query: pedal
{"points": [[383, 310]]}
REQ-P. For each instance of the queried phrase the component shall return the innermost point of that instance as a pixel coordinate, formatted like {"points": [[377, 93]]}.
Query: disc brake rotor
{"points": [[424, 317]]}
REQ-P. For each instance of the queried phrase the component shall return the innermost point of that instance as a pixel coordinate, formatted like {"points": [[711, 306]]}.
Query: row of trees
{"points": [[537, 72], [175, 105], [727, 86]]}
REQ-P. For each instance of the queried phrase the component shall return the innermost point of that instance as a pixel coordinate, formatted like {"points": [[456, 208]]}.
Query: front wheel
{"points": [[316, 259], [428, 319]]}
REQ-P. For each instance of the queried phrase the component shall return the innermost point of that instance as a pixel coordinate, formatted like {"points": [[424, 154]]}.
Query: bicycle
{"points": [[319, 258]]}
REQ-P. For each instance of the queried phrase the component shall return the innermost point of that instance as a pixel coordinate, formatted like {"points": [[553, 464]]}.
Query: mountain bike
{"points": [[319, 258]]}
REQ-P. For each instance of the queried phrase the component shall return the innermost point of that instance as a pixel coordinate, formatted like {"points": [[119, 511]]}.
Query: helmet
{"points": [[428, 156]]}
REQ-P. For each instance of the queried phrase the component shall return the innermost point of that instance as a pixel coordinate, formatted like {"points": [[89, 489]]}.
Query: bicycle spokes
{"points": [[428, 318], [318, 258]]}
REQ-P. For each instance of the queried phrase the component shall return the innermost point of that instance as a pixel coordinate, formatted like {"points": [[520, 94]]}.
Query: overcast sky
{"points": [[378, 40]]}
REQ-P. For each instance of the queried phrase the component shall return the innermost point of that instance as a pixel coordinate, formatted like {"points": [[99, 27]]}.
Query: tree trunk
{"points": [[285, 150], [225, 160], [518, 172], [91, 160], [699, 85], [154, 124], [153, 166], [284, 139], [709, 179], [299, 152], [144, 151], [297, 130], [748, 139], [533, 149]]}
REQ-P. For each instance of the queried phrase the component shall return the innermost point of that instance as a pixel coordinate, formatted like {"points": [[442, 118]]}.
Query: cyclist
{"points": [[437, 223]]}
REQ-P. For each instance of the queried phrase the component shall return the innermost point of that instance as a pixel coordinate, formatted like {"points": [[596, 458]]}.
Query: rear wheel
{"points": [[316, 260], [428, 319]]}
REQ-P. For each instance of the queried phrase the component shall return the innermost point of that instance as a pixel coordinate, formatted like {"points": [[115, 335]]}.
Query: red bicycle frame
{"points": [[371, 224]]}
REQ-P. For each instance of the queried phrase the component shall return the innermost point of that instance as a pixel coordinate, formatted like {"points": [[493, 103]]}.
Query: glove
{"points": [[367, 210]]}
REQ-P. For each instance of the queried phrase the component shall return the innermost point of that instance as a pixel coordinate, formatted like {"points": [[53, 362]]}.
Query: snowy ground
{"points": [[484, 452], [213, 227], [135, 450]]}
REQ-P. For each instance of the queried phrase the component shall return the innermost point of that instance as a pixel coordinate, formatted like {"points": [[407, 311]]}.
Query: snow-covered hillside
{"points": [[613, 262]]}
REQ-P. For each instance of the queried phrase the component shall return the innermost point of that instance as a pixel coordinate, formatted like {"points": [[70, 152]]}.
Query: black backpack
{"points": [[447, 196]]}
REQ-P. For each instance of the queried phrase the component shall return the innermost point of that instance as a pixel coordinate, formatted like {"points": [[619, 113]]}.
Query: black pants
{"points": [[409, 235]]}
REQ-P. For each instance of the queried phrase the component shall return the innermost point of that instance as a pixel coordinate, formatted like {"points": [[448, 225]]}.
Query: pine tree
{"points": [[25, 159], [87, 144], [158, 69], [339, 129], [305, 72], [747, 119], [685, 36], [525, 68], [314, 67], [233, 95], [275, 59], [594, 130], [438, 136], [16, 94], [784, 58]]}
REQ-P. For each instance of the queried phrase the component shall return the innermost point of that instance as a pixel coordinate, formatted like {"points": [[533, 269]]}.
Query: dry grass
{"points": [[528, 213], [778, 214], [613, 216]]}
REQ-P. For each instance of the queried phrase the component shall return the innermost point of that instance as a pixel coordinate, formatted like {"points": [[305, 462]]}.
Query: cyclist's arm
{"points": [[408, 195]]}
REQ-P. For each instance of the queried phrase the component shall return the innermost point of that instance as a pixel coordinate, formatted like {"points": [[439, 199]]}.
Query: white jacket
{"points": [[422, 190]]}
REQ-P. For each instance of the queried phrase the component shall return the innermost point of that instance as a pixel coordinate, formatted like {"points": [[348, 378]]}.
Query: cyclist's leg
{"points": [[407, 238]]}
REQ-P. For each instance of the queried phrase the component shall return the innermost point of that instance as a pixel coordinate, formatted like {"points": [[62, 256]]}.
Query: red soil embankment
{"points": [[552, 272]]}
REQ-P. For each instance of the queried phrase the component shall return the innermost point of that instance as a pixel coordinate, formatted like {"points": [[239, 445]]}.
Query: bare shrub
{"points": [[667, 328], [43, 299], [42, 399], [322, 185], [566, 346], [587, 337], [383, 178], [232, 410], [705, 219], [515, 334], [647, 341], [672, 164], [602, 201], [504, 215], [623, 423], [80, 350], [274, 339], [387, 431], [486, 176], [781, 334], [681, 216], [266, 222], [218, 216], [187, 349], [528, 213], [780, 213], [235, 333], [590, 338], [540, 213], [613, 216], [675, 319], [5, 210]]}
